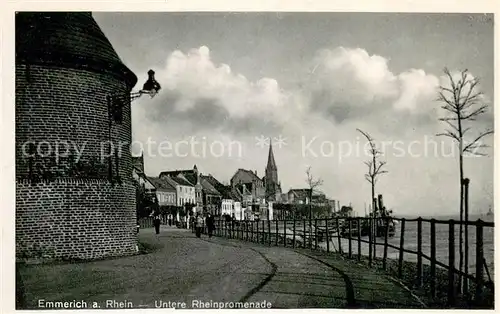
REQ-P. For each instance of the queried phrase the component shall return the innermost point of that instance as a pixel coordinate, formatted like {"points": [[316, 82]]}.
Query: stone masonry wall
{"points": [[62, 105], [83, 219]]}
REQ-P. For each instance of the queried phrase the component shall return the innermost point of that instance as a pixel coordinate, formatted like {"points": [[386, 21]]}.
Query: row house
{"points": [[191, 176], [185, 191], [165, 192], [206, 198], [211, 197], [249, 188]]}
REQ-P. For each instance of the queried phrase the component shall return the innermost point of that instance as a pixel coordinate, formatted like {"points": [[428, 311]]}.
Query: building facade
{"points": [[211, 197], [248, 186], [79, 205], [166, 194], [185, 192], [192, 176]]}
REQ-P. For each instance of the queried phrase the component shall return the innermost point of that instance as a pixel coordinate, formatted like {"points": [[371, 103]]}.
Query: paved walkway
{"points": [[186, 268]]}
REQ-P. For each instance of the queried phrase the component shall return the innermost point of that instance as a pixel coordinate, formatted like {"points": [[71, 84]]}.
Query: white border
{"points": [[7, 126]]}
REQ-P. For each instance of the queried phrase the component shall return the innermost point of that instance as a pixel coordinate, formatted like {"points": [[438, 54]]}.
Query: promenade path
{"points": [[184, 268]]}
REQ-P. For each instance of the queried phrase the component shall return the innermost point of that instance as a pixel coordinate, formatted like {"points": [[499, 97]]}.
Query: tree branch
{"points": [[475, 142], [475, 113], [450, 134]]}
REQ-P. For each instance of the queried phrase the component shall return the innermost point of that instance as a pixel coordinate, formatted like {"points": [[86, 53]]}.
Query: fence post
{"points": [[257, 232], [294, 227], [327, 234], [263, 233], [433, 258], [305, 237], [386, 240], [246, 230], [479, 262], [315, 233], [359, 239], [338, 233], [277, 233], [419, 251], [466, 236], [370, 239], [310, 231], [451, 263], [269, 239], [401, 248], [350, 237], [375, 235], [284, 233]]}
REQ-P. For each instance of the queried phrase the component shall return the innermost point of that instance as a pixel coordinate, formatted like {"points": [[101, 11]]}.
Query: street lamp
{"points": [[116, 102]]}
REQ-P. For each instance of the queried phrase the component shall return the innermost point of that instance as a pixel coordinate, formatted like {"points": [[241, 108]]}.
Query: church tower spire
{"points": [[271, 164], [271, 179]]}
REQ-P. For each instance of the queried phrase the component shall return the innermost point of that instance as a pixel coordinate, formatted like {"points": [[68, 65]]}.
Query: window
{"points": [[115, 109]]}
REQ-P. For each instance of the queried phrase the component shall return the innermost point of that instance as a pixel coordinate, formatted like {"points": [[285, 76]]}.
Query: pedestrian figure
{"points": [[156, 221], [228, 224], [210, 225], [233, 223], [199, 225]]}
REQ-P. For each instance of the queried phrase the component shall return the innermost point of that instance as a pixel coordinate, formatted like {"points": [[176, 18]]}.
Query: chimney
{"points": [[255, 171]]}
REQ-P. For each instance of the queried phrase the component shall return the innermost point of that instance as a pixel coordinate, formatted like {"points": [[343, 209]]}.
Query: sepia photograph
{"points": [[254, 160]]}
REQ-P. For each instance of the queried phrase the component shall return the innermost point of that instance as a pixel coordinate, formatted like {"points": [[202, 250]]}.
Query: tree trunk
{"points": [[461, 239], [374, 208]]}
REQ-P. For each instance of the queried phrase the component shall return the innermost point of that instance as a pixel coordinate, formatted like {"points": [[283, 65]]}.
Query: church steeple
{"points": [[271, 164], [273, 189]]}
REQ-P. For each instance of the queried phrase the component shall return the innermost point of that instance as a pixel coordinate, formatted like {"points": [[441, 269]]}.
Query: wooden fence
{"points": [[330, 234]]}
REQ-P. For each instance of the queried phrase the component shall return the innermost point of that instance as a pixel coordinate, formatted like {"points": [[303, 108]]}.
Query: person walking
{"points": [[228, 225], [199, 225], [210, 224], [156, 220]]}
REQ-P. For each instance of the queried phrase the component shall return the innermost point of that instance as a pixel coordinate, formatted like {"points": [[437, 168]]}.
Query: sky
{"points": [[308, 81]]}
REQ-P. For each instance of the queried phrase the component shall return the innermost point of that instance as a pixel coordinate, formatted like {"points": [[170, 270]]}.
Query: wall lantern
{"points": [[115, 115]]}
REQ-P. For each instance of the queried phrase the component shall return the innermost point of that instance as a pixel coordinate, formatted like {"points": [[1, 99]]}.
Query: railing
{"points": [[435, 247]]}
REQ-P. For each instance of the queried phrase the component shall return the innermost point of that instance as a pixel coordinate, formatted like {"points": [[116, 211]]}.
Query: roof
{"points": [[181, 181], [247, 174], [67, 39], [161, 184], [207, 187], [190, 175]]}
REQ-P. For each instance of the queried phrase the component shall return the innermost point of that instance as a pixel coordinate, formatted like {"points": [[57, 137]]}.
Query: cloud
{"points": [[212, 95], [351, 83]]}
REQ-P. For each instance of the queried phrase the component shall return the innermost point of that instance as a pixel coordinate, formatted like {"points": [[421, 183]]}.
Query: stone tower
{"points": [[273, 189], [75, 196]]}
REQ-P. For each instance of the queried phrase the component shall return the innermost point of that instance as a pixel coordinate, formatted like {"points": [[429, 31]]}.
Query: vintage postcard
{"points": [[252, 158]]}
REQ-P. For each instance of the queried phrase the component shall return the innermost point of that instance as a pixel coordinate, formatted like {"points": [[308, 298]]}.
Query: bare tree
{"points": [[374, 170], [463, 103], [313, 184], [374, 166]]}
